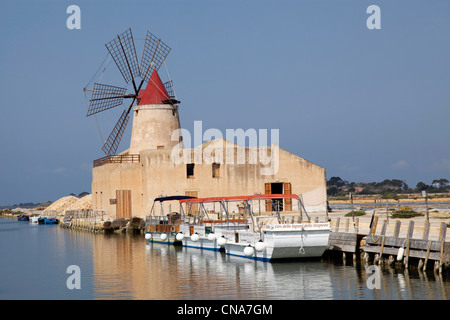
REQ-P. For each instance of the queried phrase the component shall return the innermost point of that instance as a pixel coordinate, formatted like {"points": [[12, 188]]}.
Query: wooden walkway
{"points": [[380, 248]]}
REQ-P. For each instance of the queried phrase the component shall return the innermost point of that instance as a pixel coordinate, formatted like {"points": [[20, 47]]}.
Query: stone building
{"points": [[156, 164]]}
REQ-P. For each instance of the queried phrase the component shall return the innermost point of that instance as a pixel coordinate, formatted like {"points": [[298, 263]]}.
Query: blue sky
{"points": [[367, 105]]}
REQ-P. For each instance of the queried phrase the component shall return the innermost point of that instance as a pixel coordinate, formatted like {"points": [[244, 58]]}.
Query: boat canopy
{"points": [[240, 198], [170, 198]]}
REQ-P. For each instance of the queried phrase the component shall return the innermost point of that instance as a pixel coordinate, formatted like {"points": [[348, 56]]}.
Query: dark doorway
{"points": [[190, 170], [277, 188]]}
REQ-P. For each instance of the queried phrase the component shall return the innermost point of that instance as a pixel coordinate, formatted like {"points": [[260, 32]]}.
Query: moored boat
{"points": [[161, 227], [48, 220], [23, 217], [251, 237]]}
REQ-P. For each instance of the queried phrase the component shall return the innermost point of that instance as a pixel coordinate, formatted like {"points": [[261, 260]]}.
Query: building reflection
{"points": [[126, 267]]}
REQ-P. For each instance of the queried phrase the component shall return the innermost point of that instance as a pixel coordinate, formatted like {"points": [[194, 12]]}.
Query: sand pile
{"points": [[82, 203], [70, 203], [61, 205]]}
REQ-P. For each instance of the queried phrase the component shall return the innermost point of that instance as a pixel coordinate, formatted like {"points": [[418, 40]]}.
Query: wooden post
{"points": [[408, 240], [424, 194], [381, 249], [442, 234], [407, 254], [426, 230], [383, 232], [384, 227], [338, 221], [391, 260], [442, 231], [387, 211], [397, 228], [410, 229], [353, 213], [374, 226], [427, 255]]}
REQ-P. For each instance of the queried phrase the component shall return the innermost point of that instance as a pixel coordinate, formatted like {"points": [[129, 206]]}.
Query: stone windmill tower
{"points": [[155, 114], [155, 118]]}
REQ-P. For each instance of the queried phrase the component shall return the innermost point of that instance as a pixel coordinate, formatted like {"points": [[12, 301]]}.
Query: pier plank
{"points": [[341, 241], [418, 244]]}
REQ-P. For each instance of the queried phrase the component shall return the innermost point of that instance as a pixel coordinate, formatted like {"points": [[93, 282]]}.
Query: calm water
{"points": [[34, 261]]}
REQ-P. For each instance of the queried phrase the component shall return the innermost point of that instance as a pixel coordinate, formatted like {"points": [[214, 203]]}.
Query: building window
{"points": [[190, 170], [216, 170]]}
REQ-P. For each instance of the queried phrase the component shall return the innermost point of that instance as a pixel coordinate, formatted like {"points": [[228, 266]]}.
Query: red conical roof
{"points": [[155, 92]]}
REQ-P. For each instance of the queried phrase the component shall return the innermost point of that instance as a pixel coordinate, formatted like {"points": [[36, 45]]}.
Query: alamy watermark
{"points": [[74, 280], [374, 278], [257, 151], [374, 20], [74, 20]]}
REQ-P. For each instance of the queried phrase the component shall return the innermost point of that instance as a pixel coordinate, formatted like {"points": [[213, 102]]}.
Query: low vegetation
{"points": [[356, 213], [388, 189], [405, 213]]}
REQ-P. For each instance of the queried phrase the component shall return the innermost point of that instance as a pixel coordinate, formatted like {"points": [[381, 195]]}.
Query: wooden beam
{"points": [[426, 230], [397, 228], [427, 255], [381, 249], [373, 229]]}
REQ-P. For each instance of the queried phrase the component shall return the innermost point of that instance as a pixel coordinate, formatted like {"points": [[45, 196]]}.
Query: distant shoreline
{"points": [[400, 200]]}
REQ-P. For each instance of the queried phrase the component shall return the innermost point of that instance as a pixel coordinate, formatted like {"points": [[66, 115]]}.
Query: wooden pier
{"points": [[83, 219], [91, 221], [382, 249]]}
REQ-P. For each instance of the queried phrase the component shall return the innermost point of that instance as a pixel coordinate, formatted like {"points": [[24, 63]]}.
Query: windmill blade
{"points": [[155, 52], [105, 97], [169, 88], [123, 51], [113, 141], [171, 92]]}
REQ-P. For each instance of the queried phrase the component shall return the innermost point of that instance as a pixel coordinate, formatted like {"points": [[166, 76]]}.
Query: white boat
{"points": [[253, 238], [161, 227], [34, 219]]}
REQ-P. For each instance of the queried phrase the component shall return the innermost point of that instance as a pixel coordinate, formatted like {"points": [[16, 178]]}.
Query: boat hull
{"points": [[43, 220], [34, 219], [284, 241], [155, 237], [201, 243]]}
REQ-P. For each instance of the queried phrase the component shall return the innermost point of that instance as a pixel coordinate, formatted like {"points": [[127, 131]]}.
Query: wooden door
{"points": [[268, 190], [191, 208], [287, 201], [123, 204]]}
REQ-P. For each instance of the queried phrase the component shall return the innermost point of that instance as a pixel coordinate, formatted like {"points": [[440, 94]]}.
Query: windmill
{"points": [[104, 96]]}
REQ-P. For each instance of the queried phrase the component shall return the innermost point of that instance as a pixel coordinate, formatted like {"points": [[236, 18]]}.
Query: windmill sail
{"points": [[123, 51], [155, 52], [113, 141], [105, 97]]}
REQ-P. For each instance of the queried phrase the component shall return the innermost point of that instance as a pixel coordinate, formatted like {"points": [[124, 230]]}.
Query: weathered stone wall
{"points": [[161, 172]]}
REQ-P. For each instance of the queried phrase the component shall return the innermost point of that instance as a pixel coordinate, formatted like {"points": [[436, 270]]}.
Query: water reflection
{"points": [[125, 267], [122, 266]]}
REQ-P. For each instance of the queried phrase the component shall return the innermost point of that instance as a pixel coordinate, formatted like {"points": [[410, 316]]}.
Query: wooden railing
{"points": [[128, 158]]}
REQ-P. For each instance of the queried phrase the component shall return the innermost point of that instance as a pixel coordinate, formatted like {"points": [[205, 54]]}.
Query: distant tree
{"points": [[422, 186], [81, 195], [332, 191], [440, 183], [337, 181]]}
